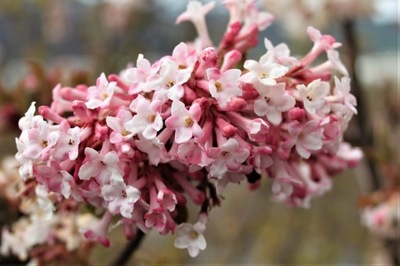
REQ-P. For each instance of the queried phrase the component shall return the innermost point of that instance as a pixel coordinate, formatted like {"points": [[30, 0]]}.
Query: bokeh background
{"points": [[44, 42]]}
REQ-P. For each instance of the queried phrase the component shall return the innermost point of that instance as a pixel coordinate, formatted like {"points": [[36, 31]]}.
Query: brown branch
{"points": [[362, 117], [129, 250], [365, 132]]}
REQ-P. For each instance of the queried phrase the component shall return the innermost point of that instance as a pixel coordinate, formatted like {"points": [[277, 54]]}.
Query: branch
{"points": [[362, 117], [129, 250]]}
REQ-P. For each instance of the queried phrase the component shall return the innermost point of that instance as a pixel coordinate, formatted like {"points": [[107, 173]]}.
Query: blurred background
{"points": [[45, 42]]}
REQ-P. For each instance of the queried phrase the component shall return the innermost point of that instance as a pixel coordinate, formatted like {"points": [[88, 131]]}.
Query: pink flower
{"points": [[305, 137], [223, 86], [41, 139], [342, 93], [99, 165], [154, 149], [334, 59], [261, 19], [184, 56], [170, 80], [167, 199], [147, 120], [101, 94], [190, 152], [196, 13], [284, 184], [230, 157], [68, 142], [119, 196], [313, 96], [54, 178], [137, 76], [273, 100], [184, 121], [99, 230], [117, 124], [281, 53]]}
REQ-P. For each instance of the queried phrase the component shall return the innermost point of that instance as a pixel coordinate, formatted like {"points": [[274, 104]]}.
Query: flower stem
{"points": [[129, 249]]}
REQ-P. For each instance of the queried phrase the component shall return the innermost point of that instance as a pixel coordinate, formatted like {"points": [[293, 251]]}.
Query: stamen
{"points": [[170, 84], [218, 85], [152, 118], [44, 143], [189, 122]]}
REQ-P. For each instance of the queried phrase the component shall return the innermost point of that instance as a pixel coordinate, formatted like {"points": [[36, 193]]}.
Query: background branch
{"points": [[129, 250]]}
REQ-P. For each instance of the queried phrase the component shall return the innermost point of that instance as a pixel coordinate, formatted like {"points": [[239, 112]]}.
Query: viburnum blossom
{"points": [[191, 236], [119, 196], [139, 145], [147, 120], [273, 100], [223, 86], [265, 71]]}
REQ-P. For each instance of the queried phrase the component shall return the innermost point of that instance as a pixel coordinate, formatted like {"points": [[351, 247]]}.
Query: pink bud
{"points": [[227, 130], [49, 114], [72, 94], [81, 111], [236, 104], [231, 58], [100, 132], [120, 83], [296, 114]]}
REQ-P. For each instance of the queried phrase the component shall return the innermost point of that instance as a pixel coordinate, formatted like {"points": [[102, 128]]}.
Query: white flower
{"points": [[196, 13], [223, 86], [101, 94], [170, 81], [120, 197], [99, 165], [265, 71], [147, 120], [313, 96], [273, 100], [191, 236]]}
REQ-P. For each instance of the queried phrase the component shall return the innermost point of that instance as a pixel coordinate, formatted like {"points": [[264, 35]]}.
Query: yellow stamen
{"points": [[44, 143], [218, 85], [170, 84], [152, 118], [189, 122]]}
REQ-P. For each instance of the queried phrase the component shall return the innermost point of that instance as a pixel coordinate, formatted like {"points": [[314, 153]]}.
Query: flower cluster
{"points": [[138, 145], [40, 234]]}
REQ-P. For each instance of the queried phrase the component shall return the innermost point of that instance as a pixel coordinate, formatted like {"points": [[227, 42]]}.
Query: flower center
{"points": [[218, 85], [105, 96], [189, 122], [123, 193], [169, 84], [152, 118], [44, 143], [193, 235], [267, 99], [263, 75], [182, 66], [125, 133]]}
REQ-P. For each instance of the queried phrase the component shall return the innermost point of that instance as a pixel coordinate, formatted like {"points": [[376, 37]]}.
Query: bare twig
{"points": [[362, 117], [129, 249], [365, 132]]}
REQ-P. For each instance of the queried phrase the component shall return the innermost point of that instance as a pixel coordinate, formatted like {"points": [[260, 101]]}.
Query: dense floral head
{"points": [[138, 145]]}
